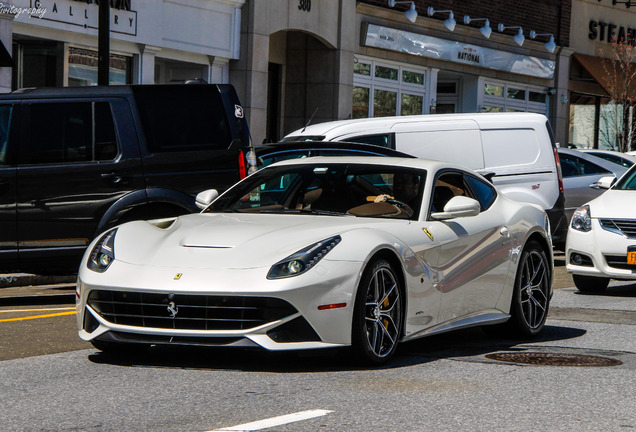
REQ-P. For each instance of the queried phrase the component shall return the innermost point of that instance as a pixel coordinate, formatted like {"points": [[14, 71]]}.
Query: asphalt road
{"points": [[454, 381]]}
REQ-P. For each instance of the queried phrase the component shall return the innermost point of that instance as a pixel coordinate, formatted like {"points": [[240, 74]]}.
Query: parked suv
{"points": [[516, 150], [75, 161]]}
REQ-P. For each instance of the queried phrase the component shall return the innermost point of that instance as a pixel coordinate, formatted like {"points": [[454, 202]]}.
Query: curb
{"points": [[24, 279]]}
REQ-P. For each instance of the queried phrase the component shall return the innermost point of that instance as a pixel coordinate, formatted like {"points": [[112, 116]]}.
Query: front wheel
{"points": [[378, 313], [531, 295], [590, 284]]}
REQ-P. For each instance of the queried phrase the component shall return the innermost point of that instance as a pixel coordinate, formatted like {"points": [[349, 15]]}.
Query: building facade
{"points": [[602, 80], [54, 42]]}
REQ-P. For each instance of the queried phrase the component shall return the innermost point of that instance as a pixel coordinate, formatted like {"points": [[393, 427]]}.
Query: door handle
{"points": [[113, 178]]}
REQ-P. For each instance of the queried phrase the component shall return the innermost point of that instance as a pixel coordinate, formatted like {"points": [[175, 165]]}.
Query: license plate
{"points": [[631, 257]]}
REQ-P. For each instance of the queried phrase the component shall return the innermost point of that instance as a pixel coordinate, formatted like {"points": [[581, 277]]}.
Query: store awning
{"points": [[5, 57], [602, 70]]}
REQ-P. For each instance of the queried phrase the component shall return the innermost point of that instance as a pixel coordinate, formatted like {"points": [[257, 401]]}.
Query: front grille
{"points": [[191, 311], [619, 262], [625, 227]]}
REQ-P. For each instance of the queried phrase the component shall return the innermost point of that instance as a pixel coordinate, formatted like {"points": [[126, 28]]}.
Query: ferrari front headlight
{"points": [[103, 253], [303, 260], [582, 219]]}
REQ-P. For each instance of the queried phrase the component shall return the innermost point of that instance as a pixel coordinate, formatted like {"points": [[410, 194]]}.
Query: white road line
{"points": [[275, 421]]}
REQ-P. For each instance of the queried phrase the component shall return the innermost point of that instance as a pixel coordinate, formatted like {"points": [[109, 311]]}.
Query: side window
{"points": [[569, 166], [382, 140], [447, 186], [70, 132], [63, 134], [5, 123], [484, 193], [589, 168]]}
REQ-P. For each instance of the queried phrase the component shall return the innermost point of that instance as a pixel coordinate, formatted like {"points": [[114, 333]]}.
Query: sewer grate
{"points": [[552, 359]]}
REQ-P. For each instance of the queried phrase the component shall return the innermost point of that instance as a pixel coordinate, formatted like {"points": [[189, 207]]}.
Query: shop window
{"points": [[360, 102], [515, 93], [82, 68], [35, 65], [361, 68], [537, 97], [386, 90], [384, 103], [413, 77], [411, 104], [386, 73], [493, 90], [517, 99]]}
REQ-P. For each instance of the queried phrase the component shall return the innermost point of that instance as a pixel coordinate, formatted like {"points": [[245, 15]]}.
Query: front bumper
{"points": [[603, 253], [236, 307]]}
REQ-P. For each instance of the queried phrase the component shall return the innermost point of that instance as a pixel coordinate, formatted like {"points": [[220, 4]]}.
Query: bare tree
{"points": [[618, 128]]}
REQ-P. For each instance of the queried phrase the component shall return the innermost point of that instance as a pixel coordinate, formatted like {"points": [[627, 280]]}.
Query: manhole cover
{"points": [[551, 359]]}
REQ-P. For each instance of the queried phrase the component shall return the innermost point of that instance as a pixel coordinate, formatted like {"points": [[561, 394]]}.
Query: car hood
{"points": [[227, 240], [614, 204]]}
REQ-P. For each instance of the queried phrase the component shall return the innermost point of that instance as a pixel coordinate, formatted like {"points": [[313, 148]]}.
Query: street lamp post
{"points": [[103, 43]]}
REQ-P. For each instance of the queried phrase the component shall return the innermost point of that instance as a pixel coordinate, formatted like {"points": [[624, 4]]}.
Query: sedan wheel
{"points": [[531, 296], [378, 313]]}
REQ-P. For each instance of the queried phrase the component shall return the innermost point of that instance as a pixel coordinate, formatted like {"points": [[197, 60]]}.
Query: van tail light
{"points": [[558, 164], [241, 164]]}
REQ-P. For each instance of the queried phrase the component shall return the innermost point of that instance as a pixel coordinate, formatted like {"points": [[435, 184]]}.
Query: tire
{"points": [[378, 314], [531, 295], [590, 284]]}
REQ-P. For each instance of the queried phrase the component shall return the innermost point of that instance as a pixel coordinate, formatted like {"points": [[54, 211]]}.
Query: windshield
{"points": [[628, 180], [328, 189]]}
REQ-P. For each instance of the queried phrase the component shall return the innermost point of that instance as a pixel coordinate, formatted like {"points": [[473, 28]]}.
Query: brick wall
{"points": [[542, 16]]}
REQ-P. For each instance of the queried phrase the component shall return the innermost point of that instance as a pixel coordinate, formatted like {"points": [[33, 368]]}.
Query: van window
{"points": [[183, 119], [382, 140], [65, 133], [510, 147]]}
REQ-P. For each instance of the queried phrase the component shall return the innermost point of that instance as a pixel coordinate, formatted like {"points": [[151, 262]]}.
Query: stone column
{"points": [[147, 64]]}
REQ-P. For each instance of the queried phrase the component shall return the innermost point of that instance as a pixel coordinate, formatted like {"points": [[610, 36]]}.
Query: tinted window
{"points": [[65, 133], [381, 140], [572, 166], [615, 159], [483, 192], [5, 122], [181, 119]]}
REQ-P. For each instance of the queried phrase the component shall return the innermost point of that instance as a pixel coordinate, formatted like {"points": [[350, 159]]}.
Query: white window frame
{"points": [[398, 86], [513, 104]]}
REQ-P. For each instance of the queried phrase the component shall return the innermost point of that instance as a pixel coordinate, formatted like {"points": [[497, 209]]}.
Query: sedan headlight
{"points": [[582, 219], [303, 260], [103, 253]]}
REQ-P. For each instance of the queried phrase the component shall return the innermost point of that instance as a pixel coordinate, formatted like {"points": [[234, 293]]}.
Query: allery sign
{"points": [[427, 46], [85, 13]]}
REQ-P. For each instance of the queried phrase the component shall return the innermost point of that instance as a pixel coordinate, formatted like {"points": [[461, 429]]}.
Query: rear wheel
{"points": [[531, 295], [378, 313], [590, 284]]}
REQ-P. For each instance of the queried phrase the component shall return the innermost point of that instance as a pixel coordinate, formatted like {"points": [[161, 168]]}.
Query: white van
{"points": [[516, 150]]}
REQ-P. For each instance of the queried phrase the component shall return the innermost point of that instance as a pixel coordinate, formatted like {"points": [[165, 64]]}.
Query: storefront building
{"points": [[54, 42], [316, 61], [601, 92]]}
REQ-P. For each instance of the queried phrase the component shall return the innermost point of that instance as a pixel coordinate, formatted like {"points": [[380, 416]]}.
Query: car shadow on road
{"points": [[463, 343], [615, 289]]}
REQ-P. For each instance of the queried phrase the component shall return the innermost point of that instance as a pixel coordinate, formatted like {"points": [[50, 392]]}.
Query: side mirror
{"points": [[604, 183], [205, 198], [459, 206]]}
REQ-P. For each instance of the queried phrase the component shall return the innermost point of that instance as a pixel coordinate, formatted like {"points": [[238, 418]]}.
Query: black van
{"points": [[77, 160]]}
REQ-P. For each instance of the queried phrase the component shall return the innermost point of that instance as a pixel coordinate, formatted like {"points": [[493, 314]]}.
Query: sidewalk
{"points": [[28, 289]]}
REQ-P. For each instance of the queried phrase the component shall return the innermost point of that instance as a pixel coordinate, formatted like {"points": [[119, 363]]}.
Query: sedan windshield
{"points": [[330, 189], [628, 180]]}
